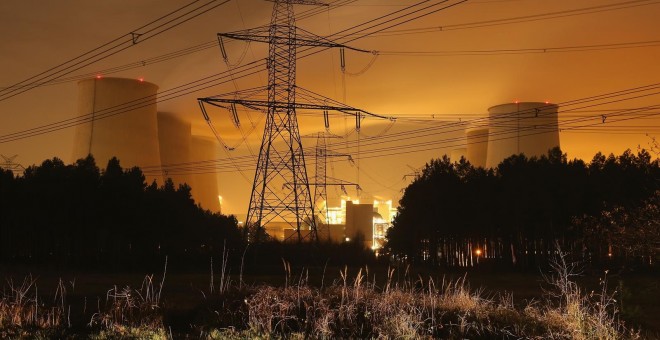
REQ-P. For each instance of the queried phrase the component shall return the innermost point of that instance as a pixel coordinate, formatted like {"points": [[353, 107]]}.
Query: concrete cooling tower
{"points": [[477, 145], [205, 191], [175, 144], [131, 134], [457, 154], [528, 128]]}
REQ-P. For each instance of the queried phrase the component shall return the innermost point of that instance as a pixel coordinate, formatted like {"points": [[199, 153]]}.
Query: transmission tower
{"points": [[321, 179], [281, 190], [8, 164]]}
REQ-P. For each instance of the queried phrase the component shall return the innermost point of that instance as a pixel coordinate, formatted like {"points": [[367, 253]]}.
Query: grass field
{"points": [[327, 303]]}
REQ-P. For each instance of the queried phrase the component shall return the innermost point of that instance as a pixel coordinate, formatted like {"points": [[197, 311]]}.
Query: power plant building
{"points": [[359, 222], [349, 222]]}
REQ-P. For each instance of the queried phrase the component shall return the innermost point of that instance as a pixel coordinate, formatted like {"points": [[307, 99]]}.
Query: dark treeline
{"points": [[80, 217], [454, 214]]}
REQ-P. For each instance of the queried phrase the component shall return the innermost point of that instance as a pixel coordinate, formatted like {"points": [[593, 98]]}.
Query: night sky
{"points": [[488, 52]]}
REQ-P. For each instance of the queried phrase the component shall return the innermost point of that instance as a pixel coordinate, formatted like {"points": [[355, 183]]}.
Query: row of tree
{"points": [[517, 212], [77, 215]]}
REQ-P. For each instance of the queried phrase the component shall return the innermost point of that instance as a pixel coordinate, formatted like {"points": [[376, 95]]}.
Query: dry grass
{"points": [[132, 313], [21, 310], [582, 315], [351, 307], [358, 309], [413, 309]]}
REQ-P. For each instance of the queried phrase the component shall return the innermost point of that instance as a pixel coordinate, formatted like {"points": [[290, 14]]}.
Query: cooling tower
{"points": [[205, 189], [174, 138], [130, 131], [456, 154], [527, 128], [477, 145]]}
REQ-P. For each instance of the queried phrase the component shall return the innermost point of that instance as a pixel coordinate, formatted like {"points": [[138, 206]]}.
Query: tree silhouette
{"points": [[517, 210], [76, 215]]}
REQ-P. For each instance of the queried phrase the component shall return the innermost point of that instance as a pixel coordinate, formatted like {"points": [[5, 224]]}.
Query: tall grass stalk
{"points": [[21, 308], [593, 315]]}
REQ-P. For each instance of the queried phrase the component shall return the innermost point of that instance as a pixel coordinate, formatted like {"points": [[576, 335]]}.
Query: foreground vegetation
{"points": [[350, 307]]}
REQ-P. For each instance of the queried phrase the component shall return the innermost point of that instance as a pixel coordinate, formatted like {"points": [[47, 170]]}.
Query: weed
{"points": [[129, 312], [593, 315], [23, 314]]}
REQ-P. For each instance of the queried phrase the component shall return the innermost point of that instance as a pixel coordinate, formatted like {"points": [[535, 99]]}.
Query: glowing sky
{"points": [[420, 90]]}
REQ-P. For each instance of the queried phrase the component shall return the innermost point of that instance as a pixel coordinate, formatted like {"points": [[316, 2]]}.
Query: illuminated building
{"points": [[350, 221], [383, 216]]}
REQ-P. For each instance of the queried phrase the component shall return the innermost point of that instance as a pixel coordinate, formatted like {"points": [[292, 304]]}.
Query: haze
{"points": [[489, 65]]}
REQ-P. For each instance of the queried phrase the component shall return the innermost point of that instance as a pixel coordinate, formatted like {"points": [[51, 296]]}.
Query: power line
{"points": [[575, 48], [138, 35], [400, 148], [520, 19], [584, 102], [162, 58], [415, 135], [223, 77]]}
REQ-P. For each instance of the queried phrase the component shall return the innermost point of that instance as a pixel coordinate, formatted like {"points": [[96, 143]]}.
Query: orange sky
{"points": [[423, 91]]}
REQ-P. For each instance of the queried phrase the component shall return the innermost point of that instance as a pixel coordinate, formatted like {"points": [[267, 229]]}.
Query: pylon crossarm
{"points": [[332, 184], [316, 40], [215, 104], [248, 35], [302, 38], [361, 113], [242, 94], [332, 154], [337, 104], [298, 106], [301, 2]]}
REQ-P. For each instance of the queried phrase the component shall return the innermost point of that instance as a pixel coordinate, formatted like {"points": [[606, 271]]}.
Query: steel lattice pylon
{"points": [[321, 179], [8, 163], [281, 189]]}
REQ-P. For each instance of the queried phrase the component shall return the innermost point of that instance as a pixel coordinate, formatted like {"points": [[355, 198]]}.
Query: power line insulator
{"points": [[223, 51], [342, 59], [135, 37], [234, 115]]}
